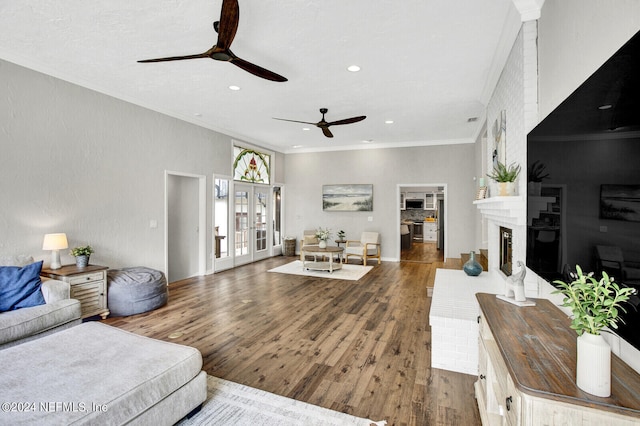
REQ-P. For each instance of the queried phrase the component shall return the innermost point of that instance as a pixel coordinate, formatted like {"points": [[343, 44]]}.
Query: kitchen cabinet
{"points": [[527, 358], [430, 231], [429, 201]]}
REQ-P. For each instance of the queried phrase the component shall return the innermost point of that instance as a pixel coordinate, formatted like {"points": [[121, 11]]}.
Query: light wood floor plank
{"points": [[361, 347]]}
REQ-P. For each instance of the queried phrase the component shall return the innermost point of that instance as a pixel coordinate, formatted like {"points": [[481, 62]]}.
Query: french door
{"points": [[251, 218]]}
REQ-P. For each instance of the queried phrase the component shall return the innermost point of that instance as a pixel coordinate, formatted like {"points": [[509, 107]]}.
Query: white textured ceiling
{"points": [[428, 65]]}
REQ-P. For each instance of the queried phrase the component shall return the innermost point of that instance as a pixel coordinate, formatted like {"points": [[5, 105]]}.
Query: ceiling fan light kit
{"points": [[226, 29]]}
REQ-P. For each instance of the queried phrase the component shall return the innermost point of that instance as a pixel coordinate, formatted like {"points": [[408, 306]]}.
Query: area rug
{"points": [[230, 403], [348, 272]]}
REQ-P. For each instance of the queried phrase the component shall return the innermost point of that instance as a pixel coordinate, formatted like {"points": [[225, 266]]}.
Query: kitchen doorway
{"points": [[422, 222]]}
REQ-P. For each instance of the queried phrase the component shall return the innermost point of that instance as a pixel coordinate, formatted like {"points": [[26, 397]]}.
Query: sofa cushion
{"points": [[23, 323], [20, 287]]}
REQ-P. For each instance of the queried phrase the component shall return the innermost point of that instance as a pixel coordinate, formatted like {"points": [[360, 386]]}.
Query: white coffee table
{"points": [[322, 265]]}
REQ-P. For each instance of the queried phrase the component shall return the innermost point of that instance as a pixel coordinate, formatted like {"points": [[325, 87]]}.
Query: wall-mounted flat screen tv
{"points": [[583, 169]]}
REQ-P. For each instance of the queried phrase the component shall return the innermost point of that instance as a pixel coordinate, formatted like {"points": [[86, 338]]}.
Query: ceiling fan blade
{"points": [[326, 132], [294, 121], [176, 58], [229, 18], [256, 70], [347, 120]]}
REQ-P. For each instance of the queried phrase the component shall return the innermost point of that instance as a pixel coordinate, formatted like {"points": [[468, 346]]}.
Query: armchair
{"points": [[367, 248], [610, 259], [308, 239]]}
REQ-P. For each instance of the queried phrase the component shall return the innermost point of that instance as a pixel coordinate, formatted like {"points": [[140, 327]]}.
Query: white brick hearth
{"points": [[453, 319]]}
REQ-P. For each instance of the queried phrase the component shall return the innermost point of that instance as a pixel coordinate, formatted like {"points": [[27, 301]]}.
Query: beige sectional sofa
{"points": [[58, 370]]}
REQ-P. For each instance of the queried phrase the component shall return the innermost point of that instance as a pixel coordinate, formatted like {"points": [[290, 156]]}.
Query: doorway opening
{"points": [[422, 231], [185, 223]]}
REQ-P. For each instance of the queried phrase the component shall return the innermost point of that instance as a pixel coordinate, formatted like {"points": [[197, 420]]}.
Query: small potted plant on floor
{"points": [[82, 254], [505, 176], [595, 304]]}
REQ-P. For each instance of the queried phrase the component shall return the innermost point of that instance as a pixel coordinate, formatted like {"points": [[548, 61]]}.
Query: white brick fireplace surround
{"points": [[454, 308]]}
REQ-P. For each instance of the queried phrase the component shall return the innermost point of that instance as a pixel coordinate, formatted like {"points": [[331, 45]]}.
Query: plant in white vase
{"points": [[595, 304], [323, 235], [505, 176]]}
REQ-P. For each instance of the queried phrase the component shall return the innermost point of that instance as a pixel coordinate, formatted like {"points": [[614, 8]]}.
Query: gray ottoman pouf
{"points": [[135, 290]]}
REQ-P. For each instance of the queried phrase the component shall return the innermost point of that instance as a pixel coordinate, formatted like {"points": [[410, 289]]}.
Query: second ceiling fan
{"points": [[324, 124], [226, 29]]}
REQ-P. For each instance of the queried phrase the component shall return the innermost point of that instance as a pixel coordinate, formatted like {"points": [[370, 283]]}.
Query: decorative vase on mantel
{"points": [[506, 189], [322, 244], [471, 266], [593, 367]]}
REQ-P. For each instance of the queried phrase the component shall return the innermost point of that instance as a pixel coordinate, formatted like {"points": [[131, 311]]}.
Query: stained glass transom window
{"points": [[250, 165]]}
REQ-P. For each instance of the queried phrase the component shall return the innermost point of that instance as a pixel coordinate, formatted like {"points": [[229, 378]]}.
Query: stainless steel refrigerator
{"points": [[440, 240]]}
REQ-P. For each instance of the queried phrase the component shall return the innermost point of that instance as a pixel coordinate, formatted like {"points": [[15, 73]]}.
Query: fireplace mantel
{"points": [[505, 210]]}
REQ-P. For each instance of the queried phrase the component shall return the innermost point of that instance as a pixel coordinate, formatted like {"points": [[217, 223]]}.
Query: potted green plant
{"points": [[341, 235], [505, 177], [595, 304], [82, 254], [536, 173]]}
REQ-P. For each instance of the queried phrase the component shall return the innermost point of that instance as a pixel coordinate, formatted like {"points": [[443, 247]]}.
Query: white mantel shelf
{"points": [[508, 210]]}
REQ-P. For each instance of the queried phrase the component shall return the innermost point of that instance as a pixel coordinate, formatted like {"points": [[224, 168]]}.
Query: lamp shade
{"points": [[55, 242]]}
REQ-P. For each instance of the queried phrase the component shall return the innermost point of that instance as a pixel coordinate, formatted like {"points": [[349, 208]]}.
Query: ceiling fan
{"points": [[226, 29], [324, 125]]}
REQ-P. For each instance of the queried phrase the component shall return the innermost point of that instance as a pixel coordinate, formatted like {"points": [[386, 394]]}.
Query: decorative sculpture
{"points": [[514, 285]]}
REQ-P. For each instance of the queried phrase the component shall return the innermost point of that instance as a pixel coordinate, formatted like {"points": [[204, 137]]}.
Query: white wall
{"points": [[80, 162], [454, 165]]}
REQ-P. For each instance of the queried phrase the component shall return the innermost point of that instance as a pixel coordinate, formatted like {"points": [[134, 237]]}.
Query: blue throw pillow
{"points": [[20, 287]]}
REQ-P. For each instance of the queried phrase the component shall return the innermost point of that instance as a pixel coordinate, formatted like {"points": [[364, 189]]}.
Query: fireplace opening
{"points": [[506, 251]]}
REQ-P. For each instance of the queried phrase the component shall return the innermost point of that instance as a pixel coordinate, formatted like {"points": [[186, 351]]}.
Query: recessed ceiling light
{"points": [[297, 146], [367, 141], [388, 122], [305, 128], [197, 114], [607, 106], [234, 87], [353, 68]]}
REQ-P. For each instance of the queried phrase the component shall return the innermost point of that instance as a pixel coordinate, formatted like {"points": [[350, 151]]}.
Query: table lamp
{"points": [[55, 243]]}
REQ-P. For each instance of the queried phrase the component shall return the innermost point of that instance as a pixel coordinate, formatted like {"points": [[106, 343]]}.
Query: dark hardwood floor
{"points": [[360, 347], [422, 252]]}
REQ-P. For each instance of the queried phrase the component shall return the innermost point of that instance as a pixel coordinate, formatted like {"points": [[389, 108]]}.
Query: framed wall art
{"points": [[620, 202], [350, 197]]}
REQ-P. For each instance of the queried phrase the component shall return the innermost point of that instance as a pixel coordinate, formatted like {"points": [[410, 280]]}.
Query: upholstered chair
{"points": [[308, 239], [367, 248]]}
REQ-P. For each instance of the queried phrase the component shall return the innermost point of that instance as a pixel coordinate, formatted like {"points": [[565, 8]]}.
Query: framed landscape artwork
{"points": [[354, 198], [620, 202]]}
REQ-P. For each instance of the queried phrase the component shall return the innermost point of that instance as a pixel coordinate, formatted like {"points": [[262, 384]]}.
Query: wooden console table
{"points": [[528, 366], [88, 285]]}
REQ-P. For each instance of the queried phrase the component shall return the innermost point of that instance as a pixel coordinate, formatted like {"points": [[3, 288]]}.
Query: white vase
{"points": [[322, 244], [593, 366]]}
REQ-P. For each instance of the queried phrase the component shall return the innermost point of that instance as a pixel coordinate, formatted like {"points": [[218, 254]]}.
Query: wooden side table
{"points": [[88, 285]]}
